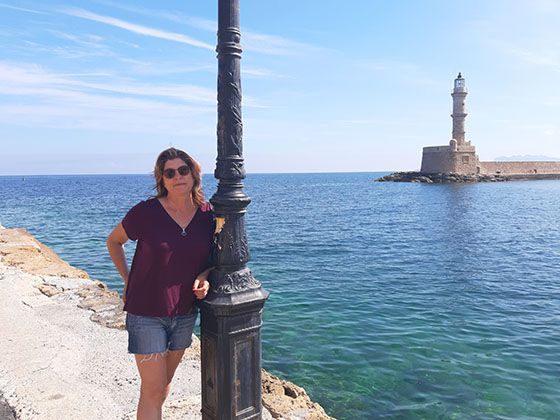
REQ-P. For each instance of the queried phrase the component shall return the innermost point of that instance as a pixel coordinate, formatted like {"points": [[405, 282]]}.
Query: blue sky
{"points": [[355, 85]]}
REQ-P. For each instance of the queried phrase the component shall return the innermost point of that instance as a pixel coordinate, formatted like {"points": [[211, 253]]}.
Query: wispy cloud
{"points": [[67, 45], [549, 59], [25, 80], [255, 73], [72, 52], [274, 45], [132, 27], [405, 71], [360, 122], [251, 41], [87, 40], [130, 44], [93, 45], [204, 24], [147, 68], [103, 114], [21, 9], [195, 22], [32, 95], [384, 64]]}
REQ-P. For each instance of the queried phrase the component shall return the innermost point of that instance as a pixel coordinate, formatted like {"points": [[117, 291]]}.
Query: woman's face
{"points": [[178, 184]]}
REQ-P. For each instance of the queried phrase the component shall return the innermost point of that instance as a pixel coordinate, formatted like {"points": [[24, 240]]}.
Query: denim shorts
{"points": [[149, 335]]}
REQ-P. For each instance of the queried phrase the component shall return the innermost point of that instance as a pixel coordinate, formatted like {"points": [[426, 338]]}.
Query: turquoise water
{"points": [[388, 301]]}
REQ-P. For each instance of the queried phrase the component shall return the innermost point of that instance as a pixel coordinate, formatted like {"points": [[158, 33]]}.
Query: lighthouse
{"points": [[459, 114], [459, 156]]}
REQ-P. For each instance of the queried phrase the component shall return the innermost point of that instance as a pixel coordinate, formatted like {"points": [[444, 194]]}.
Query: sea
{"points": [[387, 300]]}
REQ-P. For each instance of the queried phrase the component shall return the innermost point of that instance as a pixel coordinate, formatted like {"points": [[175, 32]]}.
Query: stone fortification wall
{"points": [[447, 159], [527, 167], [437, 159], [465, 162]]}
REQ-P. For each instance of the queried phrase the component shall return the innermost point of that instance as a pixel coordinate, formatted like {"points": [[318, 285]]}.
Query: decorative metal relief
{"points": [[239, 250], [237, 282], [236, 134], [231, 245]]}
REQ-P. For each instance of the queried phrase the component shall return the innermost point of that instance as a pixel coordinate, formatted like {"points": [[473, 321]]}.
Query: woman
{"points": [[170, 269]]}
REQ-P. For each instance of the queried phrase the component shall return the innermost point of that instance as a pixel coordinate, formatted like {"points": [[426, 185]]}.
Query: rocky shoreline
{"points": [[453, 178], [57, 301]]}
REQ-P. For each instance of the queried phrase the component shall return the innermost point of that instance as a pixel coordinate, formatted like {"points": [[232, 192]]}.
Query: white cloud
{"points": [[539, 58], [130, 44], [274, 45], [204, 24], [139, 29], [29, 80], [162, 68], [259, 73], [360, 122], [21, 9], [87, 40], [250, 41], [34, 96], [405, 71]]}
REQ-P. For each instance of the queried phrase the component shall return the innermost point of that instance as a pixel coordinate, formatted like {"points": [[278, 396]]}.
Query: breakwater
{"points": [[453, 178]]}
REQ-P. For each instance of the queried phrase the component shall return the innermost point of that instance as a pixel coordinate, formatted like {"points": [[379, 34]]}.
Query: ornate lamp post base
{"points": [[231, 367]]}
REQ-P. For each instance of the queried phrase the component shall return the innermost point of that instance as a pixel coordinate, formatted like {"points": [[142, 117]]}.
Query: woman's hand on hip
{"points": [[200, 288]]}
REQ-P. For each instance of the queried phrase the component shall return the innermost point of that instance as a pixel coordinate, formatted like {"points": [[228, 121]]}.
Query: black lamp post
{"points": [[231, 314]]}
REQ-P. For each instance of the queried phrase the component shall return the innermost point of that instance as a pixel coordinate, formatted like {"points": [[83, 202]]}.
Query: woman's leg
{"points": [[150, 334], [153, 375], [173, 360], [156, 372]]}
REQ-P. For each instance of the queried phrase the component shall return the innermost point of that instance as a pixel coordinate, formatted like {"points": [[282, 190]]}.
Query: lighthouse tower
{"points": [[459, 157], [459, 114]]}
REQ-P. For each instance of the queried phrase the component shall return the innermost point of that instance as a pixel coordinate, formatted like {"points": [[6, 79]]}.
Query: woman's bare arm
{"points": [[201, 285], [115, 245]]}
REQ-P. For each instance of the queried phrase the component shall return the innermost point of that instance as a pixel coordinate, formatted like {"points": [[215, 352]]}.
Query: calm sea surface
{"points": [[388, 300]]}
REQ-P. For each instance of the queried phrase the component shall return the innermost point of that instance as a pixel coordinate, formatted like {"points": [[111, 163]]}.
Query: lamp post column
{"points": [[231, 314]]}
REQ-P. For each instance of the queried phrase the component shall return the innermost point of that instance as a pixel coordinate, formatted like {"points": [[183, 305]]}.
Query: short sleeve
{"points": [[132, 222]]}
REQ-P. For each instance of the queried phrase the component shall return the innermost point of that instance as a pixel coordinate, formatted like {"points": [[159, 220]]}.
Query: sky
{"points": [[103, 86]]}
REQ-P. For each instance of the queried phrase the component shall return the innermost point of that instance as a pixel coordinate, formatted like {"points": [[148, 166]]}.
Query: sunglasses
{"points": [[169, 173]]}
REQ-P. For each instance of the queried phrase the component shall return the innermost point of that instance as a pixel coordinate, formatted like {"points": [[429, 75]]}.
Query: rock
{"points": [[439, 178], [48, 290], [105, 303], [6, 412], [19, 249], [287, 401]]}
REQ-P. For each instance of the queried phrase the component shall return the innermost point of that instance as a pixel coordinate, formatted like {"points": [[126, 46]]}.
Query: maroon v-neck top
{"points": [[166, 263]]}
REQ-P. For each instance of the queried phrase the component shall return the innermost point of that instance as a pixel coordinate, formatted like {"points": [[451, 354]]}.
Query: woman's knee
{"points": [[154, 391], [152, 368]]}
